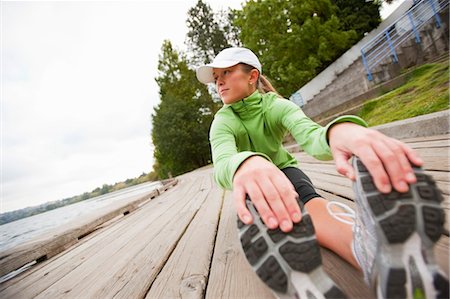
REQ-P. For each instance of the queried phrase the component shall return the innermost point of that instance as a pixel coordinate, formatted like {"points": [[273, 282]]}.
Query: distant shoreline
{"points": [[14, 215]]}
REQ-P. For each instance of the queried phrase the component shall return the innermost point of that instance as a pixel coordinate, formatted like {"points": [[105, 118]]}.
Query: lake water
{"points": [[17, 232]]}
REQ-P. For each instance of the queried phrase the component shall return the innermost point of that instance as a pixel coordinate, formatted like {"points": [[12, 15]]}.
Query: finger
{"points": [[276, 204], [411, 154], [258, 200], [392, 165], [375, 167], [241, 208], [288, 195], [342, 164], [400, 152]]}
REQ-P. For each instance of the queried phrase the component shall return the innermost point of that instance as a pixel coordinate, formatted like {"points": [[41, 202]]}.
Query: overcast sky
{"points": [[77, 92]]}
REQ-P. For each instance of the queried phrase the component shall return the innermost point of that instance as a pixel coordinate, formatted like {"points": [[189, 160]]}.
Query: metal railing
{"points": [[386, 42]]}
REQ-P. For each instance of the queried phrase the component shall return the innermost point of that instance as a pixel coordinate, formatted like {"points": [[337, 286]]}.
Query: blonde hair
{"points": [[263, 84]]}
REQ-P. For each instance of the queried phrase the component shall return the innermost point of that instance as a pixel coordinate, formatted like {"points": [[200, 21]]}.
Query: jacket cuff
{"points": [[239, 158], [345, 118]]}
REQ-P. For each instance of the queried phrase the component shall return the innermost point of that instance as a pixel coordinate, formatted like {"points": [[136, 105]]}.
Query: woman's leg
{"points": [[330, 232]]}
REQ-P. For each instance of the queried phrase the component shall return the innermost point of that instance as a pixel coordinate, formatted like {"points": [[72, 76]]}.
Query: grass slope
{"points": [[426, 91]]}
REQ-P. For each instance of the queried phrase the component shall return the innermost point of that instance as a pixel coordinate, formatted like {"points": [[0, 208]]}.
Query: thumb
{"points": [[343, 166]]}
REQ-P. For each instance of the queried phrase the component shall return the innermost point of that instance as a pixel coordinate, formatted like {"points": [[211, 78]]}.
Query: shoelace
{"points": [[349, 212]]}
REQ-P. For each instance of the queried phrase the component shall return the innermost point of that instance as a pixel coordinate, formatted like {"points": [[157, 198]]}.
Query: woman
{"points": [[269, 190]]}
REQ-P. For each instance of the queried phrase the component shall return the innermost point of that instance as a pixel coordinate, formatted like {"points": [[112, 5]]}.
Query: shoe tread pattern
{"points": [[400, 226], [441, 285], [273, 275], [396, 287], [334, 293], [303, 257], [298, 249], [434, 219], [396, 214]]}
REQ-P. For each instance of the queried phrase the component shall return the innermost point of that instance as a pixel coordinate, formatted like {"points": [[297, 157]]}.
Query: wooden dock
{"points": [[182, 243]]}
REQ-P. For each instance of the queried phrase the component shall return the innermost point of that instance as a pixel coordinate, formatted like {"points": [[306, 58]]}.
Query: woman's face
{"points": [[233, 83]]}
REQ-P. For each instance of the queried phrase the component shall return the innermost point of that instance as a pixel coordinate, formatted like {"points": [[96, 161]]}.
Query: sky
{"points": [[78, 90]]}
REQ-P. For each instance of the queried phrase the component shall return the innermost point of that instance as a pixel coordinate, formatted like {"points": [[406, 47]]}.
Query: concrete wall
{"points": [[352, 81], [437, 123], [313, 87]]}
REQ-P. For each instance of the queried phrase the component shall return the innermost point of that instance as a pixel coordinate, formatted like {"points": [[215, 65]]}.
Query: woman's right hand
{"points": [[271, 192]]}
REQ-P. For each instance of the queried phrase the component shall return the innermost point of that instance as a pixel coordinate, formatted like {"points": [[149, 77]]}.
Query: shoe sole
{"points": [[407, 226], [288, 263]]}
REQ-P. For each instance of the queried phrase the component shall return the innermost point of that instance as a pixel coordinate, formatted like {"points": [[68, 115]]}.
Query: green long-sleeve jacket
{"points": [[256, 125]]}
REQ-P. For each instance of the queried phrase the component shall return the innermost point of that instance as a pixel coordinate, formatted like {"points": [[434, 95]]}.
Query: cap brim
{"points": [[205, 72]]}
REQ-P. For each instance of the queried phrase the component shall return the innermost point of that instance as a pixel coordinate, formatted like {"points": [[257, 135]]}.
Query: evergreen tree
{"points": [[182, 119], [205, 37], [359, 15], [208, 34]]}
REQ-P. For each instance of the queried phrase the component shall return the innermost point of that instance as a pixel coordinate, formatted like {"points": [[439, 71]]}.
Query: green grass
{"points": [[425, 91]]}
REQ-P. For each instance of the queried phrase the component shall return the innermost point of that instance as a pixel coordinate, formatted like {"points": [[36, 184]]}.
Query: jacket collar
{"points": [[248, 104]]}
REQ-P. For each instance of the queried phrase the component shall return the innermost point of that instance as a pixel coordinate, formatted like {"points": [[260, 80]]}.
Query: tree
{"points": [[182, 119], [294, 39], [208, 34], [205, 37], [359, 15], [225, 20]]}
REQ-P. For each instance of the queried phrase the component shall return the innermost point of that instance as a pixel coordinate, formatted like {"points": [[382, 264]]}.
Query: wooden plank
{"points": [[434, 159], [335, 189], [427, 138], [430, 144], [325, 173], [417, 142], [155, 206], [333, 197], [442, 254], [32, 283], [427, 153], [186, 272], [31, 277], [231, 276], [333, 184], [442, 176], [137, 260], [91, 254], [444, 187], [345, 275], [61, 238]]}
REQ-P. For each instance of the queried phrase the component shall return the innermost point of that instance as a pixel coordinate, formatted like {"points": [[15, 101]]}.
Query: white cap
{"points": [[226, 58]]}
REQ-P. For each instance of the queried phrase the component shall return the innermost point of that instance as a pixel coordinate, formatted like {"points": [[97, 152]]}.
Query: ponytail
{"points": [[263, 84]]}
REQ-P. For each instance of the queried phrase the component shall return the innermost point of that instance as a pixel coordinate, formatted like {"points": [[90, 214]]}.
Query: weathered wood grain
{"points": [[58, 240], [186, 272], [128, 265], [231, 276], [34, 282]]}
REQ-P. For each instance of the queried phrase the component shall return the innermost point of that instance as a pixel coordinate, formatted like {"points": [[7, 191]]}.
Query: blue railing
{"points": [[386, 42]]}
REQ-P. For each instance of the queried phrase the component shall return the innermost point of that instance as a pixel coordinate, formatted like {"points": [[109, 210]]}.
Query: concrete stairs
{"points": [[352, 83]]}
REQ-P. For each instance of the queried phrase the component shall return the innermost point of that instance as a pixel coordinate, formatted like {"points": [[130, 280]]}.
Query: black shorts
{"points": [[302, 183]]}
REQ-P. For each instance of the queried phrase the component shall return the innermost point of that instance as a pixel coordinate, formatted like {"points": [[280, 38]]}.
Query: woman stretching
{"points": [[282, 219]]}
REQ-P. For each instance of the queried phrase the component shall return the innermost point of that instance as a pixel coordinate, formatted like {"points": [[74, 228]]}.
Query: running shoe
{"points": [[394, 236], [290, 264]]}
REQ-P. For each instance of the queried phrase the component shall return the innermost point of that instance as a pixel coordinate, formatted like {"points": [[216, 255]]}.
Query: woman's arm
{"points": [[312, 137], [387, 159], [253, 174]]}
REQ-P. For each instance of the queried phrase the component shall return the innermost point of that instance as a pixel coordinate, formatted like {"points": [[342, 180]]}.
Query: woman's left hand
{"points": [[386, 159]]}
